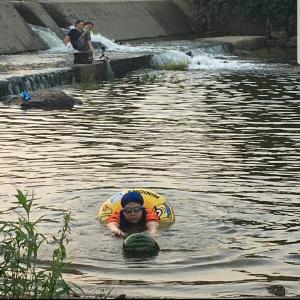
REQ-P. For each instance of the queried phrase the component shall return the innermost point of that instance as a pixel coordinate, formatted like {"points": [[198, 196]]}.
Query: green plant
{"points": [[20, 274], [173, 66], [89, 85], [150, 78], [88, 82]]}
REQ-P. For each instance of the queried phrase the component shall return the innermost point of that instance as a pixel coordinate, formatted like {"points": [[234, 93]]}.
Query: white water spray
{"points": [[171, 57], [54, 43], [196, 56]]}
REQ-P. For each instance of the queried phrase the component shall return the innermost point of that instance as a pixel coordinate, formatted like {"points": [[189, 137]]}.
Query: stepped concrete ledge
{"points": [[16, 35], [239, 42], [118, 65], [33, 13], [123, 19]]}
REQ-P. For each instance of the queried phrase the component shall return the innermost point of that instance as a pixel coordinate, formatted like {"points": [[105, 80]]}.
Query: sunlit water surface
{"points": [[222, 146]]}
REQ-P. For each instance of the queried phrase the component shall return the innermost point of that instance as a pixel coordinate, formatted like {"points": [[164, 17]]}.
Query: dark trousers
{"points": [[83, 58]]}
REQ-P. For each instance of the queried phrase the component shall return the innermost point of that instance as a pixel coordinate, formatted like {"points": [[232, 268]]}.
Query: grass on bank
{"points": [[89, 86], [157, 77], [172, 66], [88, 82], [149, 78], [21, 276]]}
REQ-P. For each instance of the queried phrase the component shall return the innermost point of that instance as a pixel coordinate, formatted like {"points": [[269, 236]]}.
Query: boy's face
{"points": [[79, 26], [89, 27]]}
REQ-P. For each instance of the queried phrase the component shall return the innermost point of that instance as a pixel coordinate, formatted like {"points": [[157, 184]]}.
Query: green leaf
{"points": [[22, 199]]}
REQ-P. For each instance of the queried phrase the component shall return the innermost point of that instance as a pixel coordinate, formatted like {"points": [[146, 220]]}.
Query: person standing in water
{"points": [[84, 43], [74, 34]]}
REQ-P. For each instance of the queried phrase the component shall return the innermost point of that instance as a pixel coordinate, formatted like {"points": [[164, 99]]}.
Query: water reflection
{"points": [[221, 147]]}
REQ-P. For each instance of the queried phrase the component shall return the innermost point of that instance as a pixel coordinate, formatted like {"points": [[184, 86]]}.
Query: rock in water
{"points": [[50, 99], [140, 243], [277, 290]]}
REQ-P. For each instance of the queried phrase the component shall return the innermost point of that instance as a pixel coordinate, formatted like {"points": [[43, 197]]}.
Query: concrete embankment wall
{"points": [[123, 20], [15, 34], [119, 20], [34, 13]]}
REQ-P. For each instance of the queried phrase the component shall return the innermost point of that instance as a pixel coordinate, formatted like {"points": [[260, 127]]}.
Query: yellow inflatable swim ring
{"points": [[152, 201]]}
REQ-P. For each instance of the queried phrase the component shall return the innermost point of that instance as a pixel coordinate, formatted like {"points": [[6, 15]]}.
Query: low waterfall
{"points": [[170, 57], [51, 40], [109, 44], [203, 57], [15, 85], [197, 56], [54, 43], [110, 76], [210, 57]]}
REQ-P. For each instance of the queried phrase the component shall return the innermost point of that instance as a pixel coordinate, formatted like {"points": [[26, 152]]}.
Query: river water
{"points": [[220, 142]]}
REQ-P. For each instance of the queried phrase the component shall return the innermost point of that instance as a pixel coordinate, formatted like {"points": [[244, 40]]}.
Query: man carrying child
{"points": [[80, 38]]}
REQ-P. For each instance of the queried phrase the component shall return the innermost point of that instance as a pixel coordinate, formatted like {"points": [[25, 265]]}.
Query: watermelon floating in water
{"points": [[140, 243]]}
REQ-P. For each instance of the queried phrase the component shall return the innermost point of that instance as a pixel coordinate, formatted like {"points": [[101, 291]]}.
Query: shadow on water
{"points": [[139, 256]]}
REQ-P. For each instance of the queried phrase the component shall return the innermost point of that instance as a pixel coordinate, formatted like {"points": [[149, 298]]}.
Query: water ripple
{"points": [[222, 147]]}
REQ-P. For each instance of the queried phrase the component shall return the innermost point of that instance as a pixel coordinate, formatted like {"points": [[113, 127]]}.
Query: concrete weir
{"points": [[16, 35], [33, 13], [120, 66], [123, 20], [116, 19], [117, 66]]}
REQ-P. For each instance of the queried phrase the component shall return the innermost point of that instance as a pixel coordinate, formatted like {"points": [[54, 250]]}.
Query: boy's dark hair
{"points": [[78, 21], [89, 23]]}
